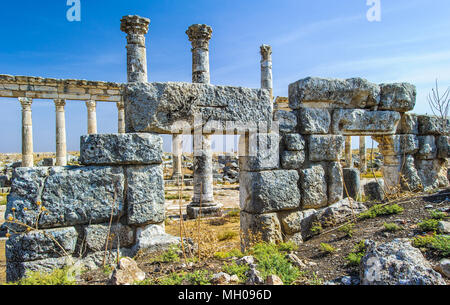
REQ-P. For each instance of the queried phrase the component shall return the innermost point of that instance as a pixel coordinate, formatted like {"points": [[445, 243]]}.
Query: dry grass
{"points": [[2, 262]]}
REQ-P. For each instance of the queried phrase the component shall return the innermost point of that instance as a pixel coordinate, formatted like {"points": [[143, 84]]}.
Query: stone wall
{"points": [[62, 215]]}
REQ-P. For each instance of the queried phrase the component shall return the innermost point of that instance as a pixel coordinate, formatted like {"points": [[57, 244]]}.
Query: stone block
{"points": [[313, 186], [374, 190], [408, 124], [126, 148], [263, 152], [145, 194], [292, 159], [427, 148], [314, 120], [95, 236], [335, 182], [405, 144], [298, 222], [325, 147], [362, 122], [320, 92], [170, 107], [153, 238], [443, 147], [69, 195], [410, 179], [265, 226], [352, 183], [398, 97], [287, 121], [194, 212], [433, 173], [431, 125], [294, 142], [269, 191], [40, 244]]}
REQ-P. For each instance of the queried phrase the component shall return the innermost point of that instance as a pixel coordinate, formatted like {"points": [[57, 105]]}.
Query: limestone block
{"points": [[263, 152], [408, 124], [17, 270], [374, 190], [405, 144], [267, 226], [362, 122], [325, 148], [398, 97], [294, 142], [352, 182], [427, 148], [410, 178], [153, 238], [340, 211], [335, 182], [145, 194], [124, 148], [69, 195], [156, 107], [443, 147], [431, 125], [40, 244], [314, 120], [298, 222], [268, 191], [348, 93], [287, 120], [292, 159], [95, 236], [433, 173], [313, 185]]}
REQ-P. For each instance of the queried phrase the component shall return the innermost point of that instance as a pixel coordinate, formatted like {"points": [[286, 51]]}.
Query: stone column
{"points": [[199, 35], [92, 116], [266, 69], [362, 154], [121, 117], [27, 132], [348, 152], [177, 144], [135, 27], [391, 168], [61, 148]]}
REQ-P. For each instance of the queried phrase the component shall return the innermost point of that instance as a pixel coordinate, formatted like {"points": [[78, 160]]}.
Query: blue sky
{"points": [[309, 38]]}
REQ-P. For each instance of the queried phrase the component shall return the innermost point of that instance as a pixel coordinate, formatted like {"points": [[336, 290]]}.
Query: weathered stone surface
{"points": [[95, 260], [427, 148], [274, 280], [263, 152], [314, 120], [153, 238], [335, 182], [145, 194], [95, 236], [431, 125], [155, 107], [294, 142], [267, 226], [443, 147], [444, 227], [444, 266], [352, 182], [287, 121], [398, 97], [374, 190], [298, 222], [396, 263], [292, 159], [37, 245], [408, 124], [70, 195], [405, 144], [127, 272], [410, 178], [340, 211], [362, 122], [221, 278], [17, 270], [313, 185], [325, 147], [194, 212], [121, 148], [262, 192], [349, 93]]}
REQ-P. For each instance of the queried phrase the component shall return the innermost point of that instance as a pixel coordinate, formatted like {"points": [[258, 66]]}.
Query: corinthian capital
{"points": [[133, 24], [26, 102], [199, 35], [266, 51]]}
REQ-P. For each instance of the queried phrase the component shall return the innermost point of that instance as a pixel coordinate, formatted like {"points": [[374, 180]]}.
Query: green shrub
{"points": [[438, 215], [327, 248], [358, 252], [271, 261], [380, 210], [440, 244], [287, 246], [198, 277], [348, 229], [227, 235], [169, 256], [231, 253], [239, 270], [429, 225], [234, 213], [316, 228], [56, 277], [392, 227]]}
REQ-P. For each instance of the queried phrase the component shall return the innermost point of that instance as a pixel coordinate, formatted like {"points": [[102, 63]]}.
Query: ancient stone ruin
{"points": [[289, 159]]}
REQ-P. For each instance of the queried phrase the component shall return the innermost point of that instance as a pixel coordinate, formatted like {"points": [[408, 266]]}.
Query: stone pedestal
{"points": [[27, 132], [61, 147], [92, 116], [136, 27]]}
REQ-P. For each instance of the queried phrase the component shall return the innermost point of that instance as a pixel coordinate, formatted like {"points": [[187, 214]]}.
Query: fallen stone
{"points": [[374, 190], [221, 278], [254, 277], [396, 263], [398, 97], [153, 238], [295, 260], [362, 122], [340, 211], [121, 148], [444, 267], [325, 147], [127, 272], [274, 280], [444, 227], [246, 260], [234, 279]]}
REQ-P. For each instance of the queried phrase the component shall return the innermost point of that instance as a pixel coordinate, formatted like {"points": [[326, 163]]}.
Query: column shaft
{"points": [[177, 144], [362, 154], [203, 178], [121, 117], [266, 69], [27, 132], [348, 152], [61, 147], [92, 116]]}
